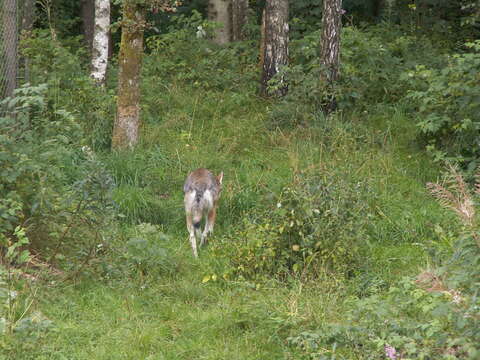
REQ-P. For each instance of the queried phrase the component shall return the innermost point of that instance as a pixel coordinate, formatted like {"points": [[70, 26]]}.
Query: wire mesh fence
{"points": [[9, 35]]}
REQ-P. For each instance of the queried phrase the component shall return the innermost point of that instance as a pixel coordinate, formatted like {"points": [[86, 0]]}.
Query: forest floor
{"points": [[179, 315]]}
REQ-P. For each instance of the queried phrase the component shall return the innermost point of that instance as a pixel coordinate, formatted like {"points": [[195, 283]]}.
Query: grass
{"points": [[155, 315]]}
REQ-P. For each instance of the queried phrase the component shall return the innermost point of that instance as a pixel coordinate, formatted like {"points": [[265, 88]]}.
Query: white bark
{"points": [[100, 41]]}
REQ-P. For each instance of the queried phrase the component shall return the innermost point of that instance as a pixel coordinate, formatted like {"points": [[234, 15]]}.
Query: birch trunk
{"points": [[10, 45], [127, 122], [100, 41], [219, 11], [239, 19], [275, 45], [330, 49]]}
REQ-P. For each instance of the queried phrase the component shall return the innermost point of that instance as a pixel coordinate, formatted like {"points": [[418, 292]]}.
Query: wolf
{"points": [[202, 190]]}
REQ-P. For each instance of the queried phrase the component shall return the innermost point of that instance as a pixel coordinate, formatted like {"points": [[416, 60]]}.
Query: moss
{"points": [[125, 131]]}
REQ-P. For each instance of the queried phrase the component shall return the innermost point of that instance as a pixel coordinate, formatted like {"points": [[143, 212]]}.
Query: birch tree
{"points": [[10, 45], [330, 50], [274, 45], [100, 43]]}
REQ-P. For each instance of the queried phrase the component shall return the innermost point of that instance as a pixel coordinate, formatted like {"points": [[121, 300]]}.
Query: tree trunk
{"points": [[262, 41], [330, 49], [239, 19], [28, 15], [275, 45], [127, 122], [219, 11], [100, 41], [10, 45], [87, 9], [28, 18], [378, 8]]}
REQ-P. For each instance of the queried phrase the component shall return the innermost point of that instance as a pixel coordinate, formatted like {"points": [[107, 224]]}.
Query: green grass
{"points": [[177, 316]]}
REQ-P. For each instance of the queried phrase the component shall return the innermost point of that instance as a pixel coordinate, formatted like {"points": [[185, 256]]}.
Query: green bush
{"points": [[434, 316], [372, 63], [146, 252], [314, 226], [448, 107], [62, 68], [408, 321], [180, 56], [49, 186]]}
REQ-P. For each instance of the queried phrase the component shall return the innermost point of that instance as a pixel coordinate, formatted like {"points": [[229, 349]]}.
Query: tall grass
{"points": [[139, 304]]}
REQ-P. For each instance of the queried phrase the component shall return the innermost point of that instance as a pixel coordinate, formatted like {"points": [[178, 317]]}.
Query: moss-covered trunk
{"points": [[127, 122]]}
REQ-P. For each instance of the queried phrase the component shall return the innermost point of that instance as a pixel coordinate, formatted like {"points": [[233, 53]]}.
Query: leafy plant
{"points": [[49, 186], [448, 107], [146, 251], [434, 316], [314, 226], [60, 65], [408, 322]]}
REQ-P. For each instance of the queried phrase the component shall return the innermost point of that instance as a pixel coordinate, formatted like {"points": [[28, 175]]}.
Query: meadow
{"points": [[322, 229]]}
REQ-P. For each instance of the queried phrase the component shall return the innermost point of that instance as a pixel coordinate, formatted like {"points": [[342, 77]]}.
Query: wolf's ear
{"points": [[220, 178]]}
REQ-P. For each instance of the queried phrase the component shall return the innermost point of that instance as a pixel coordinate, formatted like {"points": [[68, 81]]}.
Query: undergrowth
{"points": [[319, 218]]}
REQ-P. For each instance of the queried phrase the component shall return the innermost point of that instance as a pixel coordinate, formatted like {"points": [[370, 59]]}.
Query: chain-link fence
{"points": [[9, 32]]}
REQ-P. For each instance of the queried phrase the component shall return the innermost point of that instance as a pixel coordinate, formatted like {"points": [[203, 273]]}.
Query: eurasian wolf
{"points": [[202, 190]]}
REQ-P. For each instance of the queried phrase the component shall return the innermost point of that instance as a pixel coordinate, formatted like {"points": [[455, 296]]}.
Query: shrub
{"points": [[146, 252], [180, 56], [408, 321], [372, 62], [48, 185], [448, 107], [434, 316], [314, 226], [62, 68]]}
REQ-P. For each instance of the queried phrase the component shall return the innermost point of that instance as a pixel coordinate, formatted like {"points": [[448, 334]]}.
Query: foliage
{"points": [[372, 63], [462, 271], [432, 316], [305, 16], [62, 67], [48, 186], [16, 319], [315, 226], [146, 253], [180, 55], [448, 108], [408, 321]]}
